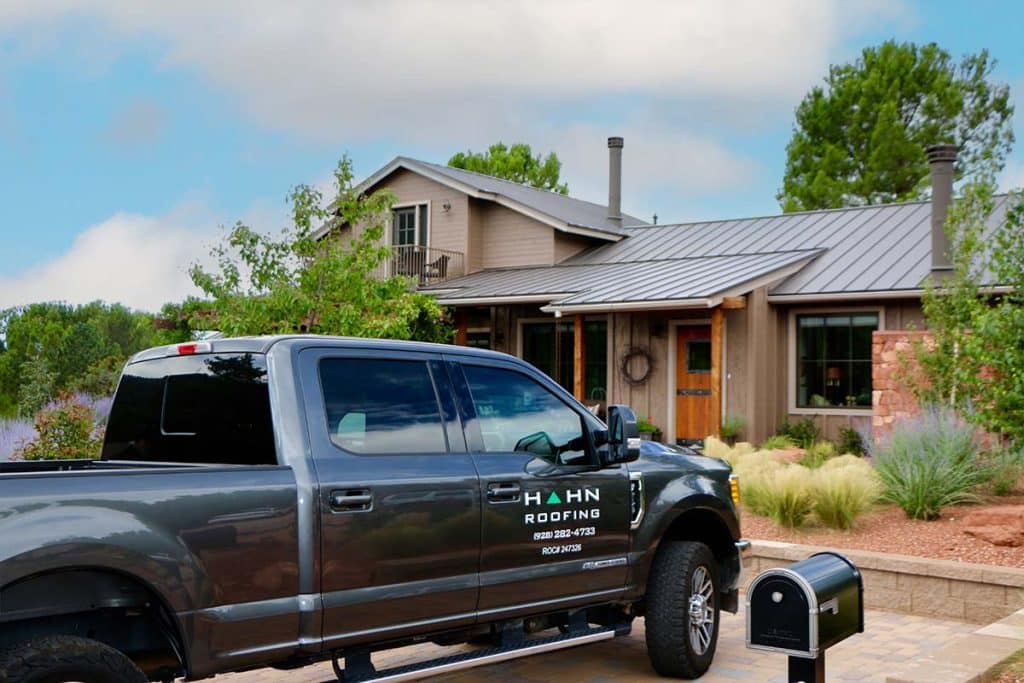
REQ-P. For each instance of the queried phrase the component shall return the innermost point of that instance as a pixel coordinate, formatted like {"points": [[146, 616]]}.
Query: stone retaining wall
{"points": [[975, 593]]}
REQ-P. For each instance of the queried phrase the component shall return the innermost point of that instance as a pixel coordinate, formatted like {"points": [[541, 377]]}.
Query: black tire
{"points": [[60, 659], [681, 644]]}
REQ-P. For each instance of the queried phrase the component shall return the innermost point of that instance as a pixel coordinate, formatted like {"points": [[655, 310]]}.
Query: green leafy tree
{"points": [[67, 430], [516, 163], [37, 385], [975, 358], [264, 284], [860, 139]]}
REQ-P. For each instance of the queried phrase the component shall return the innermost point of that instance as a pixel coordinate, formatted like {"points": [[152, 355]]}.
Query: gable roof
{"points": [[863, 252], [561, 212]]}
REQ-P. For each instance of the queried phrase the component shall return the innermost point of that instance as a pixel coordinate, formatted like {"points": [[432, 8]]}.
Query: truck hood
{"points": [[667, 457]]}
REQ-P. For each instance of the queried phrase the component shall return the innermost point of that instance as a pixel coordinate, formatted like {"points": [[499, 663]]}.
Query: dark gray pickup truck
{"points": [[280, 501]]}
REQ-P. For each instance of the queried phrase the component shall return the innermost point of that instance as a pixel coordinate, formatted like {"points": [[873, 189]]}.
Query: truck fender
{"points": [[51, 539]]}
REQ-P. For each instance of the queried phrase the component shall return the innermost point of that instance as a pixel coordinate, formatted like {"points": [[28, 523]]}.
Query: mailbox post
{"points": [[803, 609]]}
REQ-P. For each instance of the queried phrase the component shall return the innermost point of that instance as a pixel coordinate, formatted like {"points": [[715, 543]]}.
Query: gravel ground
{"points": [[888, 530]]}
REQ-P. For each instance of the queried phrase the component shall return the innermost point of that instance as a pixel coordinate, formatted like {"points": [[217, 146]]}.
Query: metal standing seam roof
{"points": [[573, 211], [637, 281], [872, 249]]}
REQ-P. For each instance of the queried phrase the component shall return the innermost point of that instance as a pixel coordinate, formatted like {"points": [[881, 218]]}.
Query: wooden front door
{"points": [[693, 383]]}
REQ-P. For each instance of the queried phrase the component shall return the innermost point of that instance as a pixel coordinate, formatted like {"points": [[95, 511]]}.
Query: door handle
{"points": [[351, 500], [503, 491]]}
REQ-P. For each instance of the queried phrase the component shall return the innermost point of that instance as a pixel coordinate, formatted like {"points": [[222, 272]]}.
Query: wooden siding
{"points": [[569, 245], [512, 239]]}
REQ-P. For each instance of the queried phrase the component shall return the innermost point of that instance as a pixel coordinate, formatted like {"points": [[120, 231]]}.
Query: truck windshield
{"points": [[197, 409]]}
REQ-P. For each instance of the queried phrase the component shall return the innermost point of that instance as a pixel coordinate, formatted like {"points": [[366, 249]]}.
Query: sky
{"points": [[132, 133]]}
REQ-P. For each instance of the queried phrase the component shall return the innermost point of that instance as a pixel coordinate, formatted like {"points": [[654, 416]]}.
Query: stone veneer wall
{"points": [[891, 399]]}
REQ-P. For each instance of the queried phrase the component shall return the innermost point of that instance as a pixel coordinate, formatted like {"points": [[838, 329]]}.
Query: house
{"points": [[769, 318]]}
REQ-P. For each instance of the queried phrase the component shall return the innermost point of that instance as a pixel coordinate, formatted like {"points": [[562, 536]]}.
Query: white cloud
{"points": [[140, 261], [1012, 177], [344, 70]]}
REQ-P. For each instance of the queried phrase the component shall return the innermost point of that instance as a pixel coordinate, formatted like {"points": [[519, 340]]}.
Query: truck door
{"points": [[398, 495], [554, 526]]}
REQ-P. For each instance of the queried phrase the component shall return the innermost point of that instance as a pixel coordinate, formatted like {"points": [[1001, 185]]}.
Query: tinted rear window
{"points": [[197, 409]]}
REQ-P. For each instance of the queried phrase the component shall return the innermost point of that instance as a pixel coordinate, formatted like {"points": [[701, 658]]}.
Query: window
{"points": [[834, 360], [409, 225], [381, 406], [549, 347], [515, 413], [698, 356], [195, 409], [478, 339]]}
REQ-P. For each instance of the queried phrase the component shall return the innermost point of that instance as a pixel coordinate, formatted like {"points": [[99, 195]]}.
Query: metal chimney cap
{"points": [[615, 142], [940, 153]]}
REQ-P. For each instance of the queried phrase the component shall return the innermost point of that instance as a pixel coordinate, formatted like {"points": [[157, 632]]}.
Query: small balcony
{"points": [[427, 266]]}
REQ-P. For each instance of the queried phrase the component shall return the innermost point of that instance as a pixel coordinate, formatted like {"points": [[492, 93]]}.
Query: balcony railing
{"points": [[425, 265]]}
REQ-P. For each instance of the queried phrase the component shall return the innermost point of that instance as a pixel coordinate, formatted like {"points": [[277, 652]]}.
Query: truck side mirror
{"points": [[623, 436]]}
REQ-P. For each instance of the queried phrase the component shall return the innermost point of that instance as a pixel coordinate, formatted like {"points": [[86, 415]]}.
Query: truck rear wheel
{"points": [[60, 659], [682, 610]]}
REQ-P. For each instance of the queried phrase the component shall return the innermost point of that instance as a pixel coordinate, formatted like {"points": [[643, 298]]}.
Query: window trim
{"points": [[791, 359], [416, 222]]}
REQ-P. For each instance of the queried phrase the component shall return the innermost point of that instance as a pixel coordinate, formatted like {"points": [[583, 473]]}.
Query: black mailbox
{"points": [[806, 607]]}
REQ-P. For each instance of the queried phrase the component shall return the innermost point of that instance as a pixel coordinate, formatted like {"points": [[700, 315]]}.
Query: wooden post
{"points": [[579, 356], [717, 325], [461, 322]]}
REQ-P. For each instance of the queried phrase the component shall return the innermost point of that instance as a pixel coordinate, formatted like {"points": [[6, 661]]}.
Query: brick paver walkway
{"points": [[889, 640]]}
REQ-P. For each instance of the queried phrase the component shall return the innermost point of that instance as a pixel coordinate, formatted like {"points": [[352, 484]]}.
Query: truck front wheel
{"points": [[682, 609], [59, 659]]}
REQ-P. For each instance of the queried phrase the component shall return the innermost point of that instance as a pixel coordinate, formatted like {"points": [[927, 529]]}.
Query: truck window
{"points": [[517, 413], [198, 409], [381, 406]]}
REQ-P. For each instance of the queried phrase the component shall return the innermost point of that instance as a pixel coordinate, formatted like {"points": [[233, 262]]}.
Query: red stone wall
{"points": [[892, 355]]}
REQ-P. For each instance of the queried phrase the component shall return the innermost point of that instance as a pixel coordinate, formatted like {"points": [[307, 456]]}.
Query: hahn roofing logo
{"points": [[567, 497]]}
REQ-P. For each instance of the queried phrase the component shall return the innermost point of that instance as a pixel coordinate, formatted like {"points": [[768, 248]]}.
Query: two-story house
{"points": [[768, 317]]}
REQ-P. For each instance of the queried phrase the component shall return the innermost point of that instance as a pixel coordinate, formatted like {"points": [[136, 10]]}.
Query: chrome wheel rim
{"points": [[701, 609]]}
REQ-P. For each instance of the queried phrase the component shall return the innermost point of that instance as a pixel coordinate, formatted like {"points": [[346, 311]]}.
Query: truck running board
{"points": [[468, 660]]}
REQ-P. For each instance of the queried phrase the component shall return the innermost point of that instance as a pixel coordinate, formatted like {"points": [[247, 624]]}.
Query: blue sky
{"points": [[129, 133]]}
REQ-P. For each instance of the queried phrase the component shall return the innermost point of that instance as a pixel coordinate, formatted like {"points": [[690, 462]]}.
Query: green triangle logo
{"points": [[553, 499]]}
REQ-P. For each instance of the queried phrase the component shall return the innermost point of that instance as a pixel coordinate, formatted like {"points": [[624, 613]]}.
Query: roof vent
{"points": [[941, 158], [615, 181]]}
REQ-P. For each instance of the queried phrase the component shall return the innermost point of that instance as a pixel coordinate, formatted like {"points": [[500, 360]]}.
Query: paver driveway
{"points": [[888, 641]]}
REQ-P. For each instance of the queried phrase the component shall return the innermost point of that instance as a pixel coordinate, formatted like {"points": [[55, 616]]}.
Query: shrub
{"points": [[1005, 467], [13, 435], [845, 491], [755, 470], [850, 441], [804, 433], [732, 426], [816, 455], [66, 430], [929, 462], [788, 496], [777, 441]]}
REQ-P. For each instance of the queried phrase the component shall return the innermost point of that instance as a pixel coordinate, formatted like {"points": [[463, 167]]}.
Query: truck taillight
{"points": [[734, 488], [190, 348]]}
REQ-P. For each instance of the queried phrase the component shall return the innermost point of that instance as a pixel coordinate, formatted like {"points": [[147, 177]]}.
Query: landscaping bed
{"points": [[888, 530]]}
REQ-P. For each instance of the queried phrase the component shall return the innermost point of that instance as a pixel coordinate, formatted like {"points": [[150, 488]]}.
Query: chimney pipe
{"points": [[615, 180], [941, 159]]}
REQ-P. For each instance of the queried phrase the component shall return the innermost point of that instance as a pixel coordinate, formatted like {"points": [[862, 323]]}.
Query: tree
{"points": [[860, 139], [264, 284], [515, 163], [975, 360]]}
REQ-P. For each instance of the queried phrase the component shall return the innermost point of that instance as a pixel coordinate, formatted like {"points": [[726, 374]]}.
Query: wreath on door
{"points": [[636, 365]]}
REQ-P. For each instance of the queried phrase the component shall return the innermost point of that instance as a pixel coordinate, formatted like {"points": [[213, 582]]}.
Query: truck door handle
{"points": [[503, 491], [351, 500]]}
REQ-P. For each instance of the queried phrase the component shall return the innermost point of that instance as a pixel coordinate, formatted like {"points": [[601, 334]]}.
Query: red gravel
{"points": [[888, 530]]}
